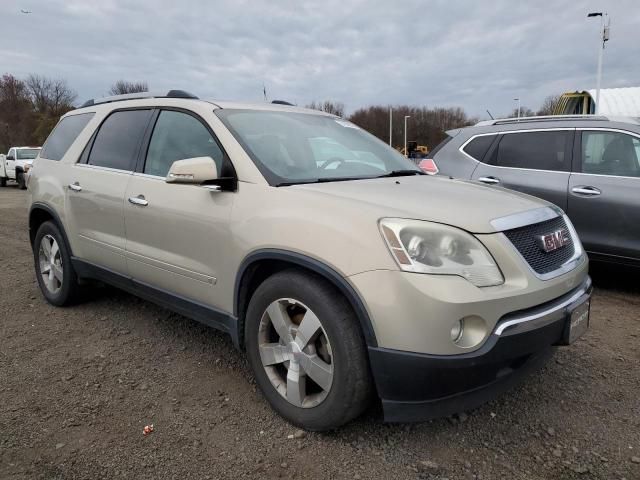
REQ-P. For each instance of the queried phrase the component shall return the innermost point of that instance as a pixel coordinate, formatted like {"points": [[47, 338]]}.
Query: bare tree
{"points": [[549, 105], [51, 97], [123, 86], [524, 112], [329, 106], [17, 120], [426, 126]]}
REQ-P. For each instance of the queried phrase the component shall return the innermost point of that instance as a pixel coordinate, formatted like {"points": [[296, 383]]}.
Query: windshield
{"points": [[291, 148], [27, 153]]}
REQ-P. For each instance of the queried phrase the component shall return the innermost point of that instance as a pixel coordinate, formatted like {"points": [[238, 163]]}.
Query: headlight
{"points": [[426, 247]]}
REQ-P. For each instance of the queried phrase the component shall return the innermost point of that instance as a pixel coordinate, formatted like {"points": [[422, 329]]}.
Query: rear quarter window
{"points": [[478, 147], [63, 135]]}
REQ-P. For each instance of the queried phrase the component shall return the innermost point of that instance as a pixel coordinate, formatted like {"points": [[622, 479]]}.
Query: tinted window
{"points": [[535, 150], [117, 142], [610, 153], [478, 147], [64, 135], [177, 136]]}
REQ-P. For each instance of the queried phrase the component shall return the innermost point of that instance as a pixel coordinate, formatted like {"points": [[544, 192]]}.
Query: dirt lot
{"points": [[77, 386]]}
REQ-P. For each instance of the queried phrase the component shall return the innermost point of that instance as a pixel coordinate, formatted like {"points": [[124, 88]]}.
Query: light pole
{"points": [[390, 126], [406, 154], [518, 100], [604, 31]]}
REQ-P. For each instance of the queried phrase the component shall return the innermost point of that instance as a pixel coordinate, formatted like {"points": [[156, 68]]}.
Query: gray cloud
{"points": [[476, 55]]}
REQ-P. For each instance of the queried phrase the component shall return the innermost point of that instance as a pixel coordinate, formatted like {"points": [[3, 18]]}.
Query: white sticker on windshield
{"points": [[347, 124]]}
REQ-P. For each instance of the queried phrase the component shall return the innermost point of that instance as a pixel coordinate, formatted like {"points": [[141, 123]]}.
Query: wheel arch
{"points": [[40, 213], [261, 264]]}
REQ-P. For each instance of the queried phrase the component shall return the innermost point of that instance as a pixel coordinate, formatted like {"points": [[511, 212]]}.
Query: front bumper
{"points": [[417, 387]]}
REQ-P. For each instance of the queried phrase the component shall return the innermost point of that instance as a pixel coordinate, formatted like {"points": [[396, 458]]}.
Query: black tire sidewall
{"points": [[347, 345], [69, 281], [21, 181]]}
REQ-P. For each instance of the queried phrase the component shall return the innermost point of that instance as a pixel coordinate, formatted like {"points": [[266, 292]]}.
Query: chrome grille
{"points": [[525, 241]]}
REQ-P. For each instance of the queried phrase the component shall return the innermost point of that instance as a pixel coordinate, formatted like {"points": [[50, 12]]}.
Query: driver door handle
{"points": [[489, 180], [586, 191], [75, 187], [139, 200]]}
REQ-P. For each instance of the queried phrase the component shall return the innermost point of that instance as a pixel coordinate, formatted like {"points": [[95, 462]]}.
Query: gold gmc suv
{"points": [[341, 269]]}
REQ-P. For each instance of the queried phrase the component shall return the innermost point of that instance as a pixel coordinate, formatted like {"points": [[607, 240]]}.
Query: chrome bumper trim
{"points": [[541, 316]]}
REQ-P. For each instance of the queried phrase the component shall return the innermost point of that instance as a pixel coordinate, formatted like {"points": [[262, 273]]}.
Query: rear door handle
{"points": [[75, 187], [586, 190], [139, 200], [489, 180]]}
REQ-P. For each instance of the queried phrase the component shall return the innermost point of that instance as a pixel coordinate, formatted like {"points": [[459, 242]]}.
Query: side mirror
{"points": [[10, 157], [194, 171]]}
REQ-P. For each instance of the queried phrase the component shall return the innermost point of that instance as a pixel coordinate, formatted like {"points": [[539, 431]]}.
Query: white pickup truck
{"points": [[16, 164]]}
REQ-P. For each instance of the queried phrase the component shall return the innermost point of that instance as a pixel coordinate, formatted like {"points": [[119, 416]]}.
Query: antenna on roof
{"points": [[490, 114], [264, 92]]}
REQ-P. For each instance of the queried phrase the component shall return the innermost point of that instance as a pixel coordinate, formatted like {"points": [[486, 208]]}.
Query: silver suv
{"points": [[587, 165], [335, 263]]}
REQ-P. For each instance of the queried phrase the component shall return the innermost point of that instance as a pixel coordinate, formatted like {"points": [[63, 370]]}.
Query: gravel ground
{"points": [[77, 386]]}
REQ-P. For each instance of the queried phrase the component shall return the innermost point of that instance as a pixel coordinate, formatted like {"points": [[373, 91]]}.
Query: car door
{"points": [[604, 192], [178, 235], [96, 185], [10, 163], [534, 162]]}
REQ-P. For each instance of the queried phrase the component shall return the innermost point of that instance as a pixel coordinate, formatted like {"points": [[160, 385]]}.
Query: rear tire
{"points": [[55, 273], [22, 185], [324, 384]]}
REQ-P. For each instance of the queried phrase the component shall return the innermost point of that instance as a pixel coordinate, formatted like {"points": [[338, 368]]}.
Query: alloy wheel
{"points": [[295, 352], [50, 259]]}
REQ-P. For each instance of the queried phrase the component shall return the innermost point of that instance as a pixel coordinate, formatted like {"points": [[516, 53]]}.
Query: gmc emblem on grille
{"points": [[554, 240]]}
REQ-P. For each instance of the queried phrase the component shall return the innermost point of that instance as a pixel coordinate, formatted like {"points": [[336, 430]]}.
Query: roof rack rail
{"points": [[540, 118], [139, 95], [282, 102]]}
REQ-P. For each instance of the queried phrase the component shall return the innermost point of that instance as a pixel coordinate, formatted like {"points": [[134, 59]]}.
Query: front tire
{"points": [[56, 276], [22, 184], [307, 351], [3, 181]]}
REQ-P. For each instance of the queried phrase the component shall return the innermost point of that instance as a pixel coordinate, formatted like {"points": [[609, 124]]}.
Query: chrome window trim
{"points": [[98, 167], [146, 175], [507, 132]]}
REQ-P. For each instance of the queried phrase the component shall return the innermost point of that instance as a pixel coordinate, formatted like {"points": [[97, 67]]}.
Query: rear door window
{"points": [[117, 142], [477, 148], [610, 153], [64, 135], [550, 150]]}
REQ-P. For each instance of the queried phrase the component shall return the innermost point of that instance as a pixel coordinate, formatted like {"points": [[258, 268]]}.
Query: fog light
{"points": [[457, 330], [469, 332]]}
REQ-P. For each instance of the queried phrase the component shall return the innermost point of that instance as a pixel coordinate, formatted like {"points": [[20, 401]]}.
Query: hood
{"points": [[459, 203]]}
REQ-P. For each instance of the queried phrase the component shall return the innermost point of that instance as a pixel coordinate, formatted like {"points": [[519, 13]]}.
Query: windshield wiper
{"points": [[320, 180], [401, 173]]}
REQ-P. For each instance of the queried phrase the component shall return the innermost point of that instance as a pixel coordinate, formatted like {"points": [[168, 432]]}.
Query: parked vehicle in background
{"points": [[16, 164], [333, 261], [587, 165]]}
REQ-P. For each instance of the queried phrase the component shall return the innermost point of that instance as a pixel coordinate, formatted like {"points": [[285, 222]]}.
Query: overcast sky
{"points": [[474, 54]]}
